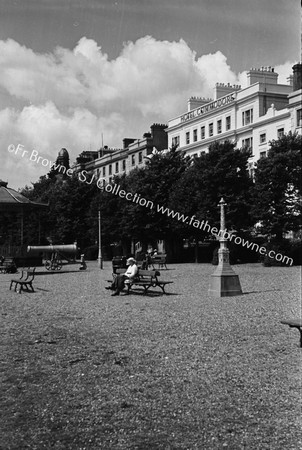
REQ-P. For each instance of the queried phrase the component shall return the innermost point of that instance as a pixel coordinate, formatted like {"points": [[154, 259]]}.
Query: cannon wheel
{"points": [[47, 264], [57, 264]]}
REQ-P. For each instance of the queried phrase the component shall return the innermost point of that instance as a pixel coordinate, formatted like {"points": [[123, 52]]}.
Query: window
{"points": [[116, 167], [262, 138], [110, 169], [124, 164], [140, 157], [133, 160], [175, 141], [280, 132], [299, 117], [262, 154], [194, 135], [211, 129], [104, 171], [247, 143], [203, 132], [228, 123], [247, 117], [219, 126], [188, 137]]}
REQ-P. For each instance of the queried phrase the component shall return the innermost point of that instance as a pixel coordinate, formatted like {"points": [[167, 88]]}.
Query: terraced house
{"points": [[106, 162]]}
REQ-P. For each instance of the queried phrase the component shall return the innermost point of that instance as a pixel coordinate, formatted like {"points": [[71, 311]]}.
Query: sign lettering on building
{"points": [[208, 107]]}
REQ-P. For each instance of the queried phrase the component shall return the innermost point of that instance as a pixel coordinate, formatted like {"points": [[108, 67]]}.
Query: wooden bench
{"points": [[294, 323], [160, 260], [8, 265], [145, 279], [25, 281]]}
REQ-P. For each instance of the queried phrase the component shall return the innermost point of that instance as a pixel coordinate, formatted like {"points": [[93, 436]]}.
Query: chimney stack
{"points": [[297, 71]]}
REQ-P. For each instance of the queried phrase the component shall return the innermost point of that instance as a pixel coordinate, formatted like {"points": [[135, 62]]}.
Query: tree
{"points": [[155, 184], [222, 172], [277, 192], [66, 219]]}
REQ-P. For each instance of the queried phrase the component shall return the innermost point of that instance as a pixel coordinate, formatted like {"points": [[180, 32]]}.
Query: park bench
{"points": [[25, 281], [118, 262], [294, 323], [160, 260], [8, 265], [145, 279]]}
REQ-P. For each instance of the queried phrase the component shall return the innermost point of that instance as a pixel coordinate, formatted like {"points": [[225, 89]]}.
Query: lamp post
{"points": [[224, 281], [100, 259]]}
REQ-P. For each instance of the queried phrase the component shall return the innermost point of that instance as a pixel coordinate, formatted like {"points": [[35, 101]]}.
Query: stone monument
{"points": [[224, 282]]}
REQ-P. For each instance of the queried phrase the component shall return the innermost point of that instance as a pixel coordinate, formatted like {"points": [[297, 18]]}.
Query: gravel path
{"points": [[83, 370]]}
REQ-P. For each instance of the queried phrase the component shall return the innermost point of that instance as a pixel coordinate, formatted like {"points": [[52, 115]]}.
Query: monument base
{"points": [[225, 285]]}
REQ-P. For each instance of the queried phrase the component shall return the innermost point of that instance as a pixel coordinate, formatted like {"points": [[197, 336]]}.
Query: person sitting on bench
{"points": [[119, 281]]}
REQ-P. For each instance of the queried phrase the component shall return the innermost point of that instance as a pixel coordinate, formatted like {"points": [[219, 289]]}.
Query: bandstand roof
{"points": [[13, 200]]}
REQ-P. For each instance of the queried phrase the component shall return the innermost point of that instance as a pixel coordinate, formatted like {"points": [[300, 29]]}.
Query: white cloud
{"points": [[284, 70], [74, 98]]}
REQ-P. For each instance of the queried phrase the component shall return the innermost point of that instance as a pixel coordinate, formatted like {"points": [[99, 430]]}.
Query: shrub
{"points": [[290, 249], [91, 253]]}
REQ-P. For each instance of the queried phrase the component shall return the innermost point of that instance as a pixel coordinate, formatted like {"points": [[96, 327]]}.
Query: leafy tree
{"points": [[277, 194], [222, 172], [65, 220], [154, 183]]}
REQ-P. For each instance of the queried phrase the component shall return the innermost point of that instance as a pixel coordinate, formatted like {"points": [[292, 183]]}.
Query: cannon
{"points": [[55, 254]]}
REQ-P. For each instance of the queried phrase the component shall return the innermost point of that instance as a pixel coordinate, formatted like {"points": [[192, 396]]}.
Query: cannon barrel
{"points": [[70, 249]]}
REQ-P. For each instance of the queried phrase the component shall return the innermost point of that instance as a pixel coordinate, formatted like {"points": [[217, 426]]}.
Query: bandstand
{"points": [[15, 209]]}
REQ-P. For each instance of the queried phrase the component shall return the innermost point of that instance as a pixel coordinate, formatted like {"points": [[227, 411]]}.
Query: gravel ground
{"points": [[83, 370]]}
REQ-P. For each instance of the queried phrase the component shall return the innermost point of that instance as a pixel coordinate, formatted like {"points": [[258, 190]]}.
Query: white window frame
{"points": [[262, 138], [247, 117]]}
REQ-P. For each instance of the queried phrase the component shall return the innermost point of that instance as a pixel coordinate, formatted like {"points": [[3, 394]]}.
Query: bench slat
{"points": [[293, 322], [145, 278], [25, 281]]}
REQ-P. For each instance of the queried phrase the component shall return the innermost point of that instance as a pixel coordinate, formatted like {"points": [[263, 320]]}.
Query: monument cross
{"points": [[224, 282]]}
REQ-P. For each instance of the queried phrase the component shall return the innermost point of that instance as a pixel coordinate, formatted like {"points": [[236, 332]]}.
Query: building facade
{"points": [[106, 163], [250, 117]]}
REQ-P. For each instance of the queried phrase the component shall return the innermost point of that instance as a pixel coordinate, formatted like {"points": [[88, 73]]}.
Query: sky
{"points": [[82, 73]]}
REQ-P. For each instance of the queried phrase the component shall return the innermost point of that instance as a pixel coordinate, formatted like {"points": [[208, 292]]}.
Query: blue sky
{"points": [[75, 71]]}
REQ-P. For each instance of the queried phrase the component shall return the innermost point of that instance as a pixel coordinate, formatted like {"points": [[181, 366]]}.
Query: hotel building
{"points": [[251, 117]]}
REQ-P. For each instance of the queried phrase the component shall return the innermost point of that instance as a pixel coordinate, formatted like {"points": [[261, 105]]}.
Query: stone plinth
{"points": [[224, 281]]}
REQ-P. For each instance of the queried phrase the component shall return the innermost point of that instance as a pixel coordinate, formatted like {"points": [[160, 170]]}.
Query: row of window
{"points": [[247, 119], [248, 142], [117, 165], [175, 140]]}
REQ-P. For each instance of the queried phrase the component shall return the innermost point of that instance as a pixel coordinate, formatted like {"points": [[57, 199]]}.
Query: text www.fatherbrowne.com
{"points": [[205, 226], [115, 189]]}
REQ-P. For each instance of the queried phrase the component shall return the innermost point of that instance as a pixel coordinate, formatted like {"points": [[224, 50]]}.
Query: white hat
{"points": [[129, 260]]}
